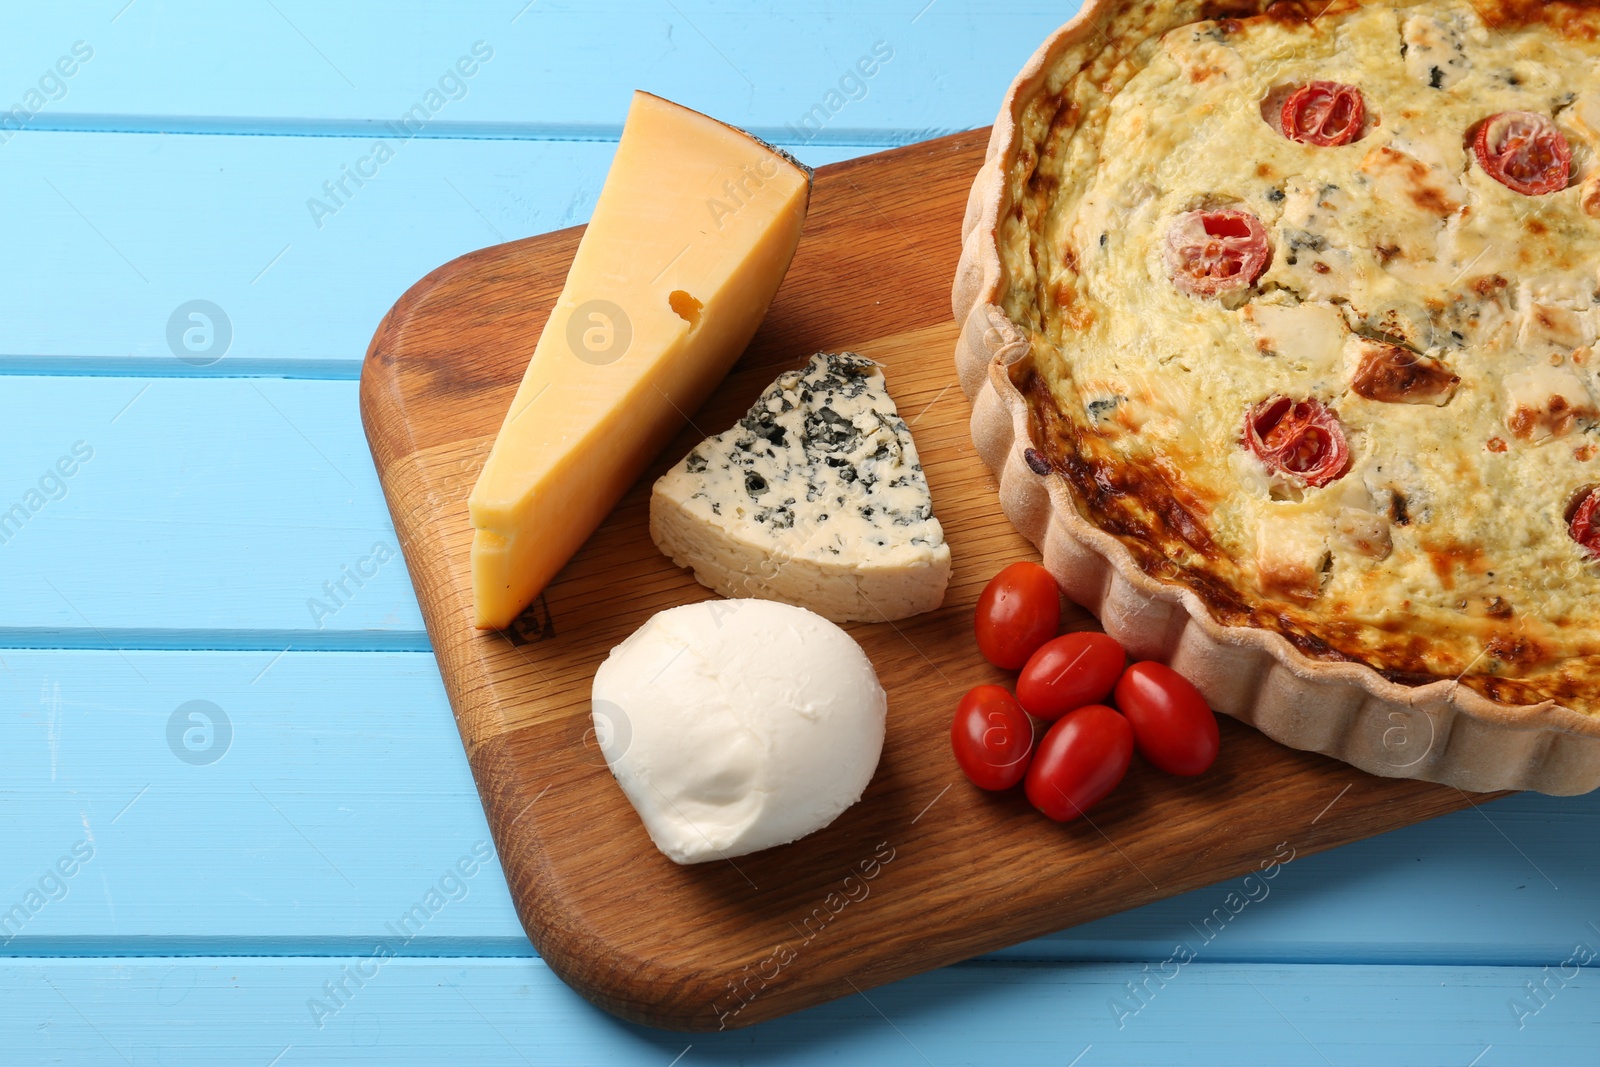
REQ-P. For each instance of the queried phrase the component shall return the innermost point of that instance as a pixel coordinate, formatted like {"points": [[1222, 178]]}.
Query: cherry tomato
{"points": [[1324, 113], [992, 738], [1209, 253], [1069, 672], [1300, 438], [1524, 151], [1019, 610], [1171, 721], [1584, 525], [1080, 760]]}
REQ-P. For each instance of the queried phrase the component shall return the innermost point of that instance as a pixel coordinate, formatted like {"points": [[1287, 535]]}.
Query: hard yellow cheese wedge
{"points": [[692, 234]]}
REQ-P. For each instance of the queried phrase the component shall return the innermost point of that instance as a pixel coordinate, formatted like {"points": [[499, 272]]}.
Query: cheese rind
{"points": [[816, 498], [690, 238]]}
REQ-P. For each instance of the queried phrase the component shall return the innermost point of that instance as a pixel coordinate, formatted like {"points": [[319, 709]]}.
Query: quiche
{"points": [[1285, 318]]}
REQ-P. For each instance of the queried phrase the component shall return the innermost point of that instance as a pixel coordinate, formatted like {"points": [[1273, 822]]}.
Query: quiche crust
{"points": [[1434, 615]]}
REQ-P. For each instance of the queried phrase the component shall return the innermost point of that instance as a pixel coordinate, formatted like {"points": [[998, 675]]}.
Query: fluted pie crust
{"points": [[1289, 685]]}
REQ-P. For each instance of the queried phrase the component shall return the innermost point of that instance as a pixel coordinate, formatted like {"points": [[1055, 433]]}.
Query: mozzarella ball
{"points": [[737, 725]]}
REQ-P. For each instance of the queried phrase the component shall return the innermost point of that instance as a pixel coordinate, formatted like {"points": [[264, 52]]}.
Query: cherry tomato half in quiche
{"points": [[1209, 253], [1524, 151], [1299, 438], [1584, 525], [1324, 113], [1068, 672], [1080, 760], [1172, 723], [992, 738], [1019, 610]]}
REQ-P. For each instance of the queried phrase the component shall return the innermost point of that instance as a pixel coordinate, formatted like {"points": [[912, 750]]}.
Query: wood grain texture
{"points": [[956, 872]]}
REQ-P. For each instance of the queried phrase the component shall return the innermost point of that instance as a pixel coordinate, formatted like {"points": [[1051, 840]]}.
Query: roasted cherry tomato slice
{"points": [[1080, 760], [1069, 672], [1324, 113], [1300, 438], [992, 738], [1209, 253], [1172, 723], [1019, 610], [1524, 151], [1584, 525]]}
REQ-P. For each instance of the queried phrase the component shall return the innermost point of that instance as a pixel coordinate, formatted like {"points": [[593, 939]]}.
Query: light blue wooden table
{"points": [[194, 883]]}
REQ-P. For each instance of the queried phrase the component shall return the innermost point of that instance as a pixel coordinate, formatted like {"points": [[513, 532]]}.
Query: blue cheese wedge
{"points": [[815, 498]]}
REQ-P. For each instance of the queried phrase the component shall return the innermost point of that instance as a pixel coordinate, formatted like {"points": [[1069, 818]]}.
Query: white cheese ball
{"points": [[737, 725]]}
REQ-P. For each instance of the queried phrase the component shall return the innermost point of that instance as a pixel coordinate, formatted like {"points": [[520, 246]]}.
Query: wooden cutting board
{"points": [[925, 870]]}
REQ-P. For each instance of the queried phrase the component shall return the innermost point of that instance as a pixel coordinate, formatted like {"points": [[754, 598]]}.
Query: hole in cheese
{"points": [[685, 306]]}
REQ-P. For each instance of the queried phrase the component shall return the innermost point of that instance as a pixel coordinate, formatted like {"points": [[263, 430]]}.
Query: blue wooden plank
{"points": [[341, 796], [1497, 884], [515, 1012], [179, 513], [349, 67], [308, 797], [297, 261]]}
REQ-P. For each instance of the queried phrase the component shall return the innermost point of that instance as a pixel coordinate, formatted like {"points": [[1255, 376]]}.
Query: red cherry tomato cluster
{"points": [[1522, 150], [1225, 251], [1065, 681]]}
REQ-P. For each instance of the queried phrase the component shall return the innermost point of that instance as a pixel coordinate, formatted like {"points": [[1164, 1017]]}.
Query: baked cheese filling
{"points": [[1315, 305]]}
